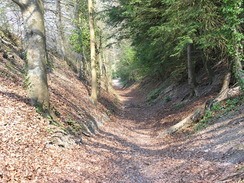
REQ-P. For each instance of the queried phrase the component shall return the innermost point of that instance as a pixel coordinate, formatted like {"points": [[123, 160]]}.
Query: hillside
{"points": [[30, 142], [114, 141]]}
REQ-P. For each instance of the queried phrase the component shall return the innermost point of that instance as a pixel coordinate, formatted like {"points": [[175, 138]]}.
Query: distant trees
{"points": [[35, 36], [88, 40], [70, 32], [80, 37]]}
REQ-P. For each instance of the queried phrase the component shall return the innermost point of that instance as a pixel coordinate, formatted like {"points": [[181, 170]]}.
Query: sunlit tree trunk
{"points": [[99, 62], [102, 70], [60, 42], [107, 69], [93, 52], [32, 11]]}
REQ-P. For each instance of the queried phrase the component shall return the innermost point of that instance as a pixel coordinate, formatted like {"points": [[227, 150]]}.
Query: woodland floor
{"points": [[124, 150]]}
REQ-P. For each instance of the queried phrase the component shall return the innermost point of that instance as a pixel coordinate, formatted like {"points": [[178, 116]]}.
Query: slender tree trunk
{"points": [[100, 62], [85, 63], [191, 71], [79, 32], [32, 12], [225, 87], [102, 70], [238, 67], [106, 69], [93, 52], [232, 10], [209, 71], [109, 72], [60, 42]]}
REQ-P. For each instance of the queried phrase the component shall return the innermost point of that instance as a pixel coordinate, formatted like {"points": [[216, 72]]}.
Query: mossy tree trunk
{"points": [[32, 11]]}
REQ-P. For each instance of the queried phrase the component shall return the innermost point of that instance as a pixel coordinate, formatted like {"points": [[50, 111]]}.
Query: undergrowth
{"points": [[71, 127], [179, 106], [74, 126], [217, 111], [155, 94]]}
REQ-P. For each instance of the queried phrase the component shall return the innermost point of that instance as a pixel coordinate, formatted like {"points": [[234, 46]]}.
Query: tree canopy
{"points": [[160, 31]]}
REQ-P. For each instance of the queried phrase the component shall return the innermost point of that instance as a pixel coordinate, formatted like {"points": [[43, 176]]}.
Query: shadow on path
{"points": [[135, 155]]}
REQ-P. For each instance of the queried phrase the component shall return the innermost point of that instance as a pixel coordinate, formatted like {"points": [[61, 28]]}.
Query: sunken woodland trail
{"points": [[133, 154], [125, 149], [175, 115]]}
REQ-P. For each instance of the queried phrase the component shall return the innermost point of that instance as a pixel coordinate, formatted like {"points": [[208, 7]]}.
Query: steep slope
{"points": [[32, 146]]}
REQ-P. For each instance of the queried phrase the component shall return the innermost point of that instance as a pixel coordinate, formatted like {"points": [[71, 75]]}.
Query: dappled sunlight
{"points": [[124, 91]]}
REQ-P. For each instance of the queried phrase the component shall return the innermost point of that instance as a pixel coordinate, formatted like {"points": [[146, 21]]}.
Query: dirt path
{"points": [[133, 154]]}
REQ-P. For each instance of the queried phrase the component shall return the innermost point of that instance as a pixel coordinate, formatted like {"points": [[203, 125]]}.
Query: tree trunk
{"points": [[93, 52], [78, 23], [191, 72], [60, 42], [32, 12], [85, 64], [99, 50], [209, 71], [238, 68], [103, 71]]}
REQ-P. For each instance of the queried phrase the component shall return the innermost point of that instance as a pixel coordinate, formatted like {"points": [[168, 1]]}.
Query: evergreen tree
{"points": [[160, 32]]}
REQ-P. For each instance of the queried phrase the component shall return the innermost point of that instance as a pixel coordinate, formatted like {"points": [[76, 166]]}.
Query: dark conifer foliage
{"points": [[161, 30]]}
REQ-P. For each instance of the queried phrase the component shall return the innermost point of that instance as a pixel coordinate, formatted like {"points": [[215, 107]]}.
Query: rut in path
{"points": [[133, 154]]}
